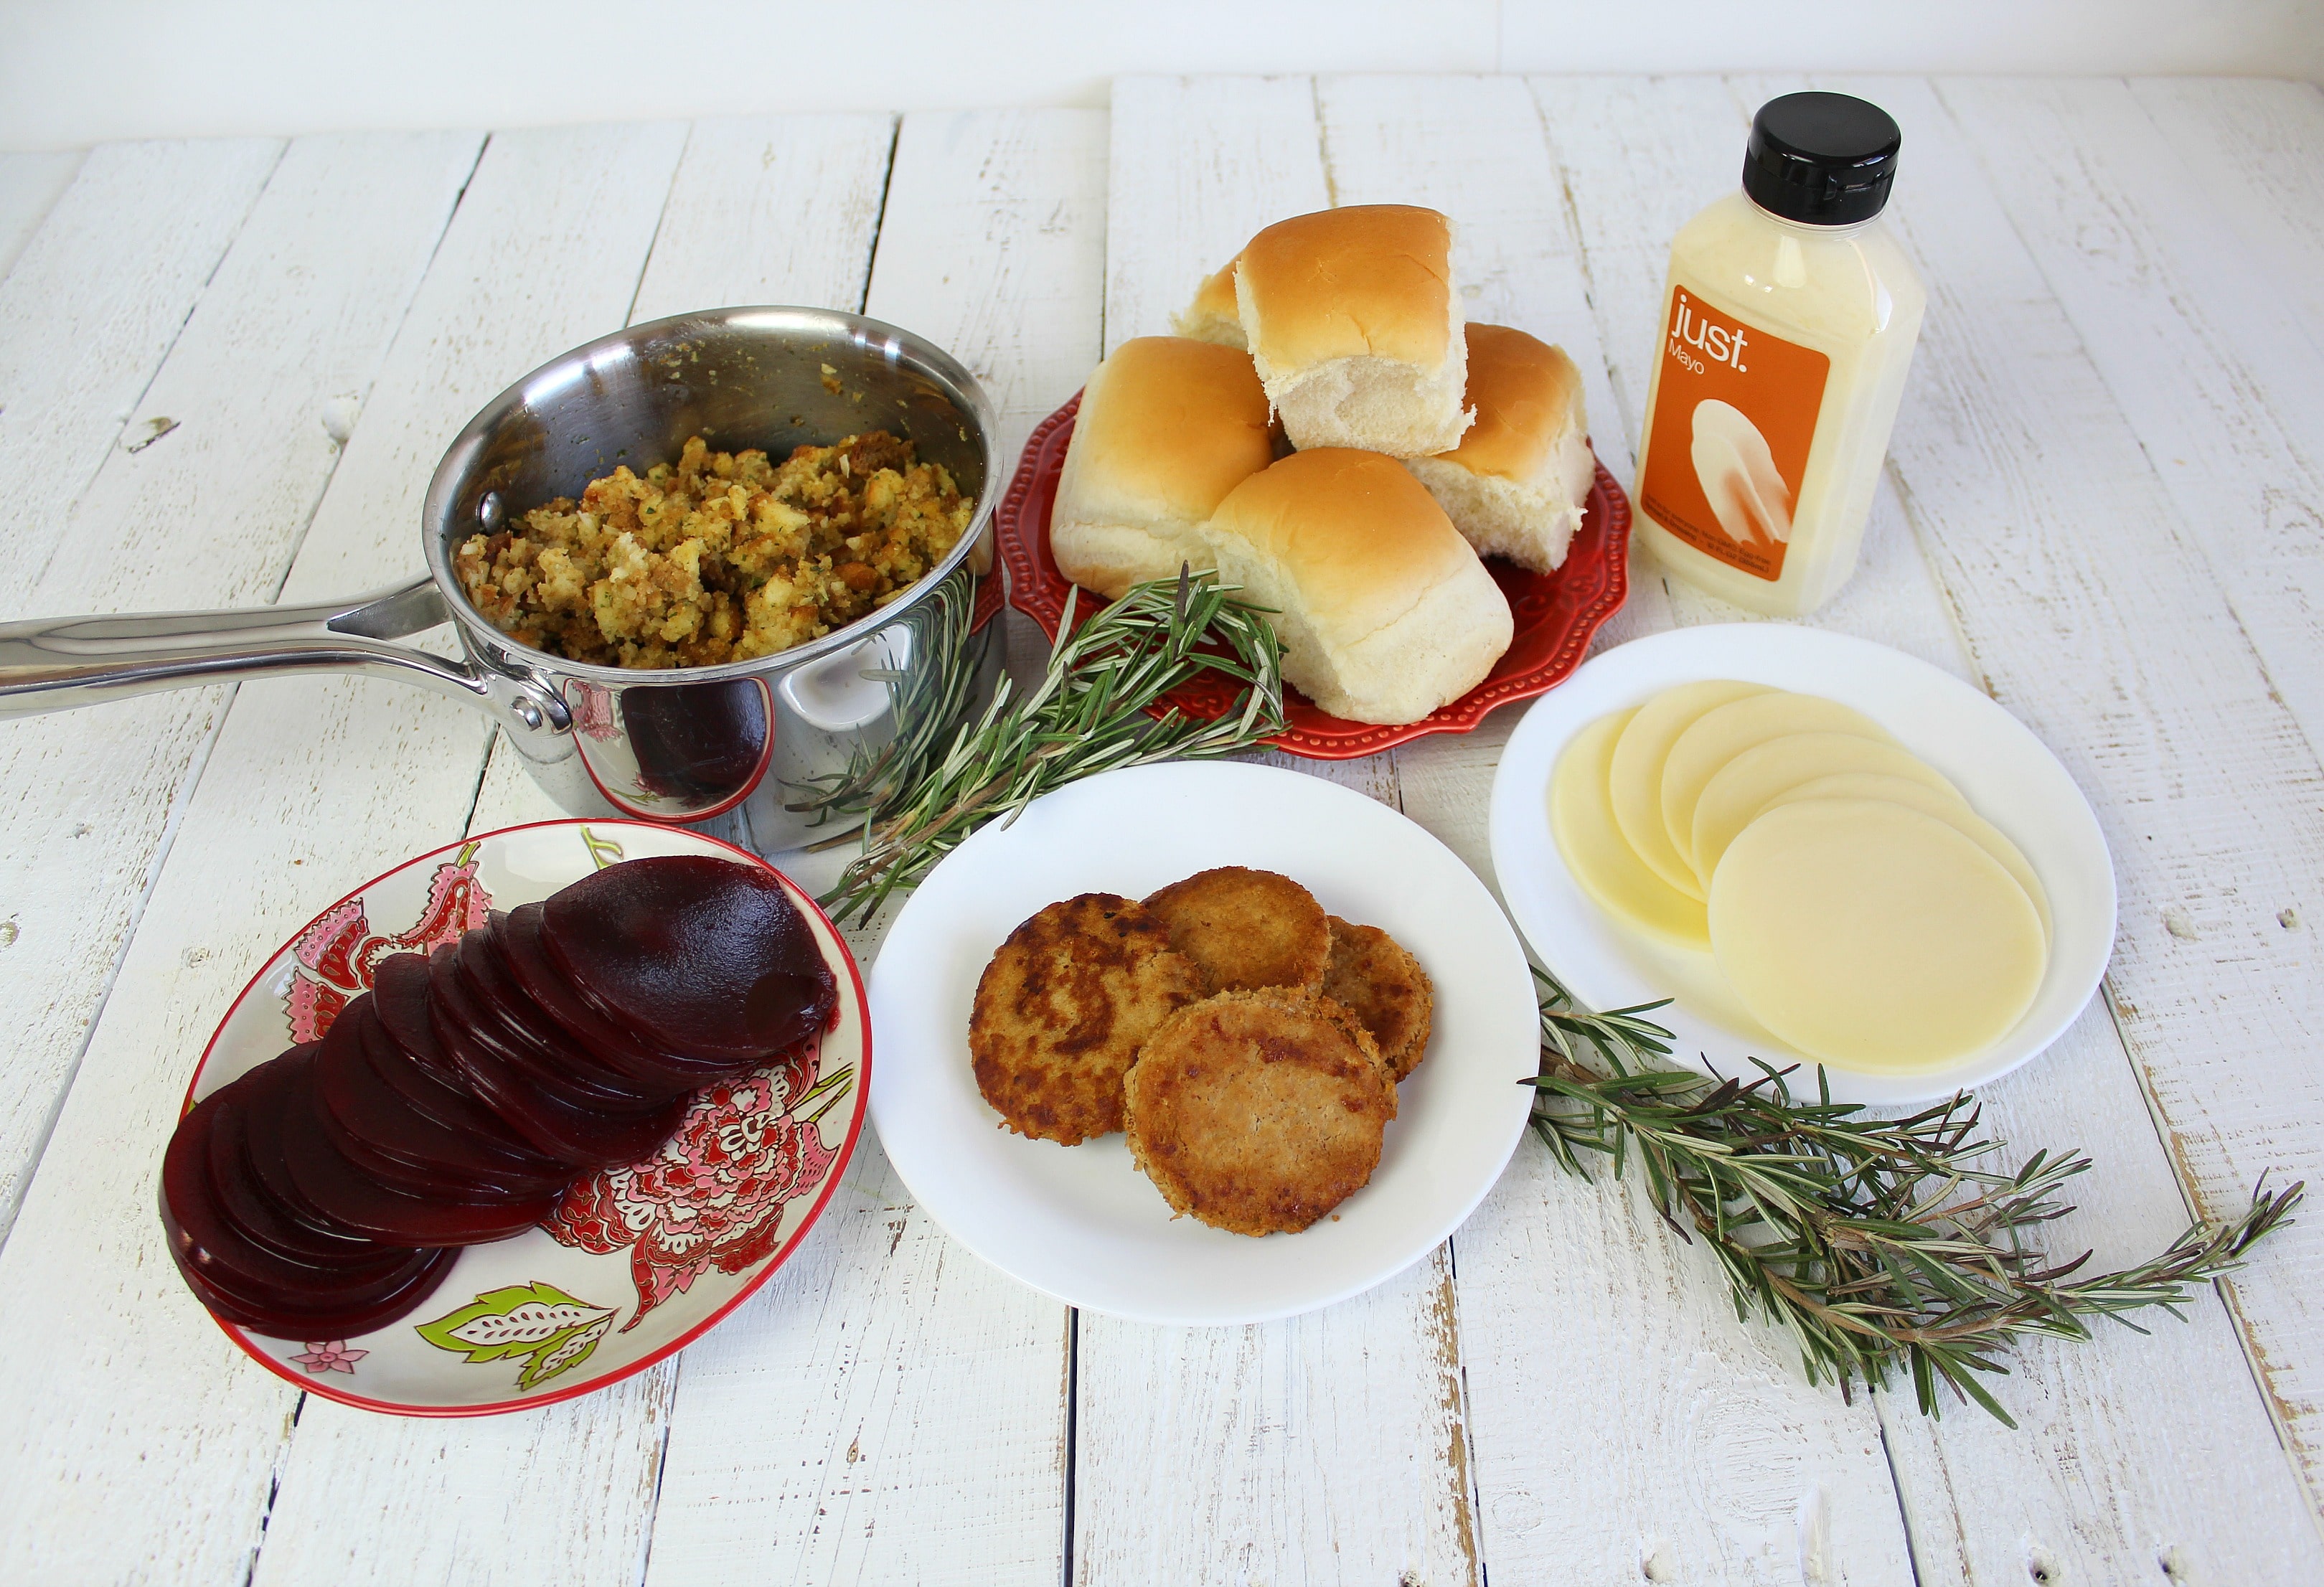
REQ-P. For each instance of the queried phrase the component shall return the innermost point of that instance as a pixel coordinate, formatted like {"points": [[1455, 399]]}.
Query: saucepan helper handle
{"points": [[58, 663]]}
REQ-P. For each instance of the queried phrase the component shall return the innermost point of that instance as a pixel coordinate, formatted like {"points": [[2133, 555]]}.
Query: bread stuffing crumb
{"points": [[720, 556]]}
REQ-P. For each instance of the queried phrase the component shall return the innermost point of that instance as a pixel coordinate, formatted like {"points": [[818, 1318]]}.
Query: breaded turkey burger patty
{"points": [[1062, 1008], [1381, 984], [1259, 1112], [1246, 928]]}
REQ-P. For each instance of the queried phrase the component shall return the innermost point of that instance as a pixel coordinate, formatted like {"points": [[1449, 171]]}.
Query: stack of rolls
{"points": [[1417, 444]]}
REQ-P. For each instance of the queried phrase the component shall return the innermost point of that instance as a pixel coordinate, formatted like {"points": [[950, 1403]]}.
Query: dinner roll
{"points": [[1515, 484], [1167, 427], [1212, 316], [1384, 612], [1353, 319]]}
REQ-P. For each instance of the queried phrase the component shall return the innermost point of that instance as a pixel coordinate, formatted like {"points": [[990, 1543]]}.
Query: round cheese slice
{"points": [[1602, 861], [1725, 732], [1635, 779], [1943, 805], [1872, 936], [1750, 782]]}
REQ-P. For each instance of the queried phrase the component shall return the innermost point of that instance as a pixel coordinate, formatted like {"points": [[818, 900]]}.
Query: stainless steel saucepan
{"points": [[666, 745]]}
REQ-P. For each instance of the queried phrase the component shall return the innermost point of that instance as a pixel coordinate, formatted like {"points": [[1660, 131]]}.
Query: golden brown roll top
{"points": [[1372, 279], [1515, 485], [1527, 395], [1385, 613], [1354, 320], [1212, 316], [1168, 427]]}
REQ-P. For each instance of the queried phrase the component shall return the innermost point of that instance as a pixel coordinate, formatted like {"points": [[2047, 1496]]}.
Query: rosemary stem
{"points": [[1879, 1245]]}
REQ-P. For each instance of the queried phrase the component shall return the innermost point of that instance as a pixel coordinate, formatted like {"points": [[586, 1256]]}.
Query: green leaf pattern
{"points": [[529, 1324], [566, 1350], [549, 1331]]}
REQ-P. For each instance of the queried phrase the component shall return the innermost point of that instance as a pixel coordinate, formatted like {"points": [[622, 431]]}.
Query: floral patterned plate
{"points": [[636, 1261]]}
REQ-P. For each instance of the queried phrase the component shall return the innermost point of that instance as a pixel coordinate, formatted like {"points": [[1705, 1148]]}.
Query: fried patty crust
{"points": [[1062, 1008], [1247, 928], [1259, 1112], [1381, 984]]}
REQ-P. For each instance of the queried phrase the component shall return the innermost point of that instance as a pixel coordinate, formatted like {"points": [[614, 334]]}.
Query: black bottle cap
{"points": [[1820, 158]]}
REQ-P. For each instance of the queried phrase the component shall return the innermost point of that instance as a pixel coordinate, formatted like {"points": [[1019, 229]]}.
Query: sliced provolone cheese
{"points": [[1635, 779], [1750, 782], [1873, 937], [1725, 732], [1946, 807], [1600, 859]]}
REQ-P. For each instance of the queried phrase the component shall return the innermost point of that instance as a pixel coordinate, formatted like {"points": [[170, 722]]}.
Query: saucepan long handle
{"points": [[56, 663]]}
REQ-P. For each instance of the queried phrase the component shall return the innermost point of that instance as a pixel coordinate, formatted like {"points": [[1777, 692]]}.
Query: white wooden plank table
{"points": [[226, 372]]}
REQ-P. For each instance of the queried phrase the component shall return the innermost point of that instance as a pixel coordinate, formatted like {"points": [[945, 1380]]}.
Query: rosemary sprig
{"points": [[1879, 1244], [1087, 714], [926, 699]]}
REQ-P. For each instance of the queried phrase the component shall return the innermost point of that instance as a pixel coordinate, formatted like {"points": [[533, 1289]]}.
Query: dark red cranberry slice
{"points": [[483, 970], [396, 1172], [330, 1318], [372, 1128], [497, 1151], [380, 1133], [586, 1138], [399, 988], [317, 1290], [454, 1104], [247, 1202], [461, 1026], [350, 1197], [205, 1243], [542, 1067], [709, 954], [263, 1137], [545, 983]]}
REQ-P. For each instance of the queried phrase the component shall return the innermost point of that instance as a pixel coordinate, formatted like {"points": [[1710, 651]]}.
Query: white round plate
{"points": [[2001, 768], [1081, 1223], [636, 1261]]}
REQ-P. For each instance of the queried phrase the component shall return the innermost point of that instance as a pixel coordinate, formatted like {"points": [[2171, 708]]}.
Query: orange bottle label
{"points": [[1728, 441]]}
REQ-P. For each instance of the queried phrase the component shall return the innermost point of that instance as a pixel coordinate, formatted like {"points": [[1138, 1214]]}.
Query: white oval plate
{"points": [[1081, 1223], [2004, 771]]}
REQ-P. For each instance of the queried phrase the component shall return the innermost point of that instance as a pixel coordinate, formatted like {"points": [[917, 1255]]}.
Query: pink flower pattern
{"points": [[714, 1195], [335, 954], [329, 1356], [593, 712]]}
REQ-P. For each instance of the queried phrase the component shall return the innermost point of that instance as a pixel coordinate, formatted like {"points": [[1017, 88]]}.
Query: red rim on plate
{"points": [[1556, 612], [319, 1384]]}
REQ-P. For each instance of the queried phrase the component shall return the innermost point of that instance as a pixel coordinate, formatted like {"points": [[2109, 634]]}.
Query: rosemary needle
{"points": [[1880, 1245]]}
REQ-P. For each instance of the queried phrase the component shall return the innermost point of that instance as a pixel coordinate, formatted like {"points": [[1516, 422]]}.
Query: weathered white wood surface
{"points": [[2225, 392], [889, 1408], [783, 209], [1327, 1445], [2090, 611], [2019, 1487], [2104, 507], [1647, 1337], [201, 504], [312, 784], [568, 1493], [2196, 1491]]}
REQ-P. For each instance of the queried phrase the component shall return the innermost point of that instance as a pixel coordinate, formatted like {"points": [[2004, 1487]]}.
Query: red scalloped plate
{"points": [[1556, 612]]}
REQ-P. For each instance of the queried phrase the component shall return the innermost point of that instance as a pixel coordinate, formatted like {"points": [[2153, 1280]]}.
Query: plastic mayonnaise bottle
{"points": [[1788, 322]]}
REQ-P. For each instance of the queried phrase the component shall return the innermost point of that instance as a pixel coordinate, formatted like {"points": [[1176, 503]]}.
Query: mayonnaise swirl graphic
{"points": [[1738, 474]]}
